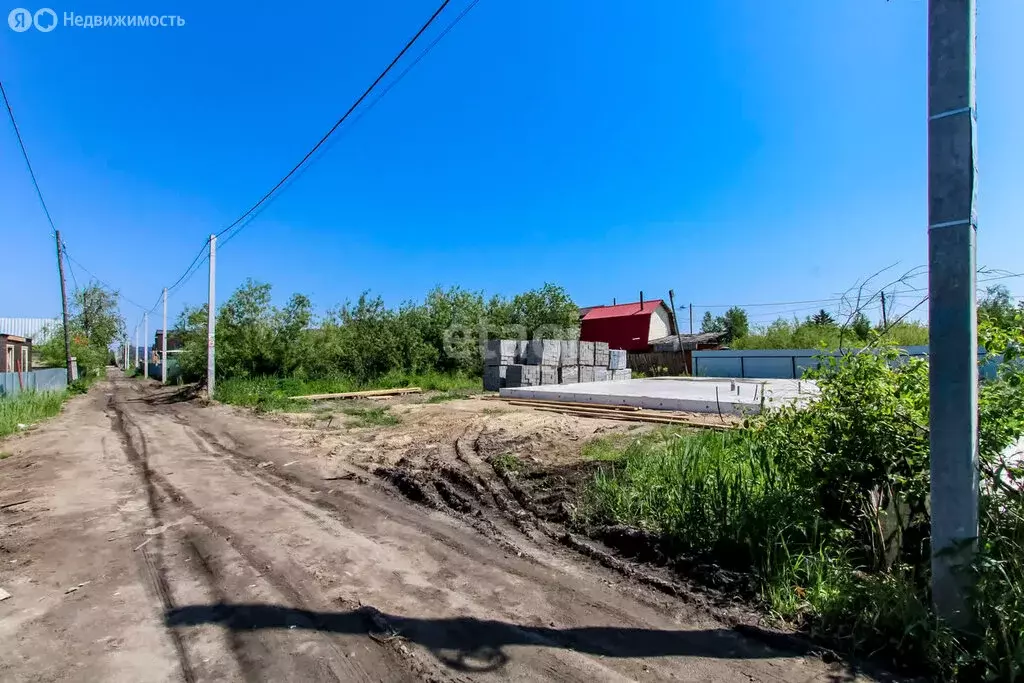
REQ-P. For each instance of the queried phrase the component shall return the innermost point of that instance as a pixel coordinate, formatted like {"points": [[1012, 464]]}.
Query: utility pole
{"points": [[885, 320], [211, 319], [952, 313], [64, 306], [163, 344], [145, 345], [691, 318], [675, 318], [136, 347]]}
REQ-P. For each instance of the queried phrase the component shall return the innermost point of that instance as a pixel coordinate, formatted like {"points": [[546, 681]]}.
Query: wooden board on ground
{"points": [[360, 394]]}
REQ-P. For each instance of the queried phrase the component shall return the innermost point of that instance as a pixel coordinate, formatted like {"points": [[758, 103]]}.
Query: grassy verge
{"points": [[28, 408], [732, 499], [272, 393]]}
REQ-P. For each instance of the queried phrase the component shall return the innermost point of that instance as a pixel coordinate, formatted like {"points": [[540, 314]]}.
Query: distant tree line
{"points": [[94, 324], [815, 331], [365, 339]]}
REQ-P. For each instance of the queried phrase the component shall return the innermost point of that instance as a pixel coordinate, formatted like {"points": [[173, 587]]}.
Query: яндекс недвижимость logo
{"points": [[21, 20]]}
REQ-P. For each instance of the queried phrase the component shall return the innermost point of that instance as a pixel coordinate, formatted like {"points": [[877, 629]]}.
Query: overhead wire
{"points": [[24, 153], [363, 112], [337, 123]]}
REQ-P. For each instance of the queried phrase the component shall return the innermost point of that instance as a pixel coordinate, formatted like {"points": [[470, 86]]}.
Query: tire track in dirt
{"points": [[261, 566]]}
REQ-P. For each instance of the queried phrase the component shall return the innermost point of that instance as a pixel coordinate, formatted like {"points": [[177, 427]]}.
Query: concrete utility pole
{"points": [[64, 306], [211, 319], [691, 318], [952, 313], [145, 345], [163, 344], [136, 347]]}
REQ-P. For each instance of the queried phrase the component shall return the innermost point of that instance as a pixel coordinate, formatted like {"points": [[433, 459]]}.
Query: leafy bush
{"points": [[829, 508], [364, 341]]}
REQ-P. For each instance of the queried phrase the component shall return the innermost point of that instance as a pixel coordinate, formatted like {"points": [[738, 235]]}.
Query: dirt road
{"points": [[161, 540]]}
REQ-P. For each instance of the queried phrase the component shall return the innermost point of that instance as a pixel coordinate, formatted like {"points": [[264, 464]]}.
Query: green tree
{"points": [[710, 323], [735, 323], [861, 326], [823, 319], [94, 323]]}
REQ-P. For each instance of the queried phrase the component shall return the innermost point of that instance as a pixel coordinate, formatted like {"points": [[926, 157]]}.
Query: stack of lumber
{"points": [[360, 394], [611, 412]]}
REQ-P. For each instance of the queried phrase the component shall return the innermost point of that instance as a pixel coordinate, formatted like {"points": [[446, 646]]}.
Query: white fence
{"points": [[781, 364], [50, 379]]}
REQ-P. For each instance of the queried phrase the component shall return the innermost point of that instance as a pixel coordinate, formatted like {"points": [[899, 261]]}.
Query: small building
{"points": [[15, 353], [175, 341], [630, 326]]}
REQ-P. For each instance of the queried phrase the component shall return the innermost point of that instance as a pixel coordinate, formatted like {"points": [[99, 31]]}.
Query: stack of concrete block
{"points": [[586, 354], [495, 377], [523, 375], [570, 353], [543, 352], [522, 363]]}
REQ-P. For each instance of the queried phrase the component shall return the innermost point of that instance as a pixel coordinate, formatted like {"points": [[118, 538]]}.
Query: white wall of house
{"points": [[660, 323]]}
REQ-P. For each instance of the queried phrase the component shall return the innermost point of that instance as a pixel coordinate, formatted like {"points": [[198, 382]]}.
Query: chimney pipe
{"points": [[641, 299], [613, 301]]}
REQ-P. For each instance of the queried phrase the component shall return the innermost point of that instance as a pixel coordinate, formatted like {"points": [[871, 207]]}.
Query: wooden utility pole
{"points": [[885, 320], [64, 307], [952, 312], [675, 318]]}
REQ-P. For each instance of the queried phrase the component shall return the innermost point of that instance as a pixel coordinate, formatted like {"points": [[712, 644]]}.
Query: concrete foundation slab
{"points": [[735, 397]]}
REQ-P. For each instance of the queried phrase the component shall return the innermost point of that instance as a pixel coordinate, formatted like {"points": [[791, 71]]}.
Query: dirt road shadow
{"points": [[476, 645]]}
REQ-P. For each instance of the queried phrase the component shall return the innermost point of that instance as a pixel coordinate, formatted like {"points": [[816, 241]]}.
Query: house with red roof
{"points": [[631, 326]]}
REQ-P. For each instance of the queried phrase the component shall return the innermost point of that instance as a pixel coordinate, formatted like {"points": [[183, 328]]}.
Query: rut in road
{"points": [[344, 580]]}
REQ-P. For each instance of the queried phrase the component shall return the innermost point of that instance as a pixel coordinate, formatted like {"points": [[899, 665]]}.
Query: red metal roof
{"points": [[623, 326], [621, 310]]}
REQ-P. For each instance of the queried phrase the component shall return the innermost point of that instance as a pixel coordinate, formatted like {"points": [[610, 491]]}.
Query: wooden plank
{"points": [[632, 417], [360, 394], [540, 401]]}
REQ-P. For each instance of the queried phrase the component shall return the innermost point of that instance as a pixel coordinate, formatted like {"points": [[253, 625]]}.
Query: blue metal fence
{"points": [[784, 363], [50, 379]]}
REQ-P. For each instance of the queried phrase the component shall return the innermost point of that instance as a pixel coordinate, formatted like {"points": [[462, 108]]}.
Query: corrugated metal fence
{"points": [[36, 329], [782, 364], [50, 379]]}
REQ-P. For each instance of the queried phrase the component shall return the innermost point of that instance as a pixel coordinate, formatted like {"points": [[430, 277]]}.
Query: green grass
{"points": [[370, 416], [28, 408], [453, 395], [507, 463], [4, 455], [272, 393]]}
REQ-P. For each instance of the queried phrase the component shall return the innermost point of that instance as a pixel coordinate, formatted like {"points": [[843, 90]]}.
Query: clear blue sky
{"points": [[737, 151]]}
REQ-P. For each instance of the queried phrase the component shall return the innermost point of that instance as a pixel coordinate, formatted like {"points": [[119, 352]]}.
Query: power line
{"points": [[365, 110], [337, 123], [24, 153]]}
